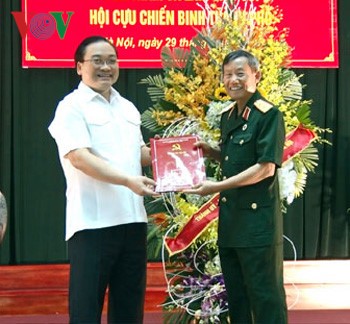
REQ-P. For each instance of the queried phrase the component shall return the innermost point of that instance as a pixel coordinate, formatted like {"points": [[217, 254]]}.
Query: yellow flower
{"points": [[165, 118], [221, 94]]}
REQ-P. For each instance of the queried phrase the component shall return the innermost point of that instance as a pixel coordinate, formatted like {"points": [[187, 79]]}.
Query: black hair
{"points": [[252, 60], [81, 49]]}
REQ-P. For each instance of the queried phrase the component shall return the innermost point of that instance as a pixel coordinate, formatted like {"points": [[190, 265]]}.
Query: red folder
{"points": [[177, 164]]}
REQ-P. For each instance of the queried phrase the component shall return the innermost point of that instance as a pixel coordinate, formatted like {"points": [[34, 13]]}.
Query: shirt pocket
{"points": [[132, 117], [101, 128], [133, 123], [133, 130], [242, 149]]}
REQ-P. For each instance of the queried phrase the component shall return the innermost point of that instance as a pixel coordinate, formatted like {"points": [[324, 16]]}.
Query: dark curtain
{"points": [[316, 225]]}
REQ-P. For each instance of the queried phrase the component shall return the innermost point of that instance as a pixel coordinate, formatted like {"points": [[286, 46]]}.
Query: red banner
{"points": [[198, 222], [51, 30], [296, 141]]}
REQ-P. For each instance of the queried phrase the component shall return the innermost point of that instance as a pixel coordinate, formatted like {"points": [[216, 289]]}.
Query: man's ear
{"points": [[258, 76], [79, 68]]}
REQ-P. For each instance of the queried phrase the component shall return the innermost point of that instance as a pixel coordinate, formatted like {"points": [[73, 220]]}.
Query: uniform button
{"points": [[244, 127], [241, 141], [223, 199], [254, 206], [226, 158], [231, 137]]}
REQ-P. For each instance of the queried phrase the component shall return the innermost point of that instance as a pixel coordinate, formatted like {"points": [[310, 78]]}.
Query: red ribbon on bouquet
{"points": [[296, 141], [194, 227]]}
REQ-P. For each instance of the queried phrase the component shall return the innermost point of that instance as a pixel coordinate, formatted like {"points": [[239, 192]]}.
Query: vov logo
{"points": [[43, 25]]}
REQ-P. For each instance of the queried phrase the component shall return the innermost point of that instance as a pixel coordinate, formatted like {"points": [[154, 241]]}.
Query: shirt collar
{"points": [[90, 94]]}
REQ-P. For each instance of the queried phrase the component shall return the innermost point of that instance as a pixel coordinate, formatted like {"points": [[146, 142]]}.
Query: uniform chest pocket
{"points": [[241, 149], [242, 139]]}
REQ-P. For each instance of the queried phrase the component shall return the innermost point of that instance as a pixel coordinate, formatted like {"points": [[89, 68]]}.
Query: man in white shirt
{"points": [[102, 152]]}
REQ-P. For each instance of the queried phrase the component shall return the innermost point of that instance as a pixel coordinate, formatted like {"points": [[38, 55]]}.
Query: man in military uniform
{"points": [[250, 228]]}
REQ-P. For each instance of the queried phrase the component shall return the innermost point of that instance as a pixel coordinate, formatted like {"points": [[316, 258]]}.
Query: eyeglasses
{"points": [[112, 62]]}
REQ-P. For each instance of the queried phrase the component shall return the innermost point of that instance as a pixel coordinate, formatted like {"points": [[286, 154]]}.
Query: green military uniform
{"points": [[250, 233]]}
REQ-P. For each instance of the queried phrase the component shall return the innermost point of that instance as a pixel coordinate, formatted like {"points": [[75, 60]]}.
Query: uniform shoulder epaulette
{"points": [[229, 107], [263, 105]]}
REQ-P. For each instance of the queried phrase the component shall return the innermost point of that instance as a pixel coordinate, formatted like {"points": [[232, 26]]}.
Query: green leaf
{"points": [[303, 114], [155, 88], [152, 232], [291, 86], [309, 158], [149, 122], [167, 105], [154, 205]]}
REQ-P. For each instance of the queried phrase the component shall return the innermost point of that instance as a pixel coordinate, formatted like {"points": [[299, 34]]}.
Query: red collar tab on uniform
{"points": [[246, 113]]}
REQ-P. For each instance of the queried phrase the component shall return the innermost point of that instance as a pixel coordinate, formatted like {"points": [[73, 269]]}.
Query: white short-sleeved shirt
{"points": [[85, 119]]}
